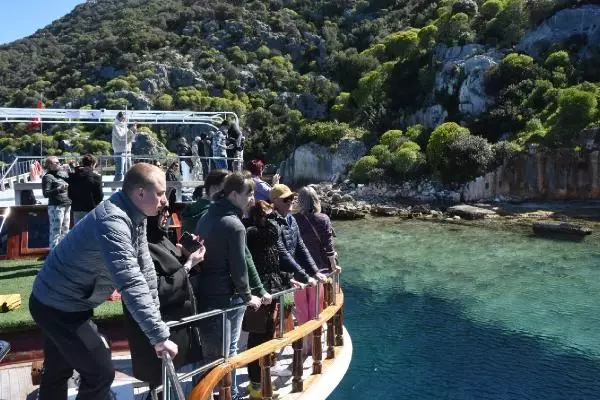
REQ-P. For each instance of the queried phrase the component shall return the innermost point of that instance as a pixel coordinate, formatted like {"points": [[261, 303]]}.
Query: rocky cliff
{"points": [[553, 176], [314, 163]]}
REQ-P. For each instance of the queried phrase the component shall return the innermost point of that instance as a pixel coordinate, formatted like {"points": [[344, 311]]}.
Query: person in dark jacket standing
{"points": [[223, 279], [107, 250], [263, 236], [55, 188], [295, 257], [85, 188], [172, 264]]}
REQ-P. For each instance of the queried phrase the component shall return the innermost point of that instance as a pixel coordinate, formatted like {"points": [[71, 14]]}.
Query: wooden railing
{"points": [[221, 375], [332, 316]]}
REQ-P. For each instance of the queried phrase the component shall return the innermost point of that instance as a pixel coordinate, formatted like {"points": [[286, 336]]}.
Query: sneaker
{"points": [[308, 362], [282, 371], [254, 391]]}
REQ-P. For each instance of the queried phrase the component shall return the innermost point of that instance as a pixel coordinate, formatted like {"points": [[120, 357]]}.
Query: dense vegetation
{"points": [[306, 70]]}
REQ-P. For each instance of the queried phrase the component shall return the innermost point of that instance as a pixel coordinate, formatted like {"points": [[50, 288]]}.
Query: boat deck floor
{"points": [[15, 379]]}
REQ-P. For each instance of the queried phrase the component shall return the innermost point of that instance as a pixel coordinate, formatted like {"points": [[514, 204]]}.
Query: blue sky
{"points": [[20, 18]]}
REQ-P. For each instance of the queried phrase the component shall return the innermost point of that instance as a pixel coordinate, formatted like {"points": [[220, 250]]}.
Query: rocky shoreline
{"points": [[353, 202]]}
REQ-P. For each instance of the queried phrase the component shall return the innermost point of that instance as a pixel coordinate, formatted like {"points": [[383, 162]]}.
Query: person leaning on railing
{"points": [[317, 234], [223, 280], [263, 235], [107, 250], [294, 255], [192, 213], [172, 264]]}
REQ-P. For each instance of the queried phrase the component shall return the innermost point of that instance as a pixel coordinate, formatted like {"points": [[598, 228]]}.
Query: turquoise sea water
{"points": [[444, 312]]}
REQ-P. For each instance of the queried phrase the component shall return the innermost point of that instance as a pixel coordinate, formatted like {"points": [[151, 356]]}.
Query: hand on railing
{"points": [[166, 347], [320, 277], [311, 282], [296, 285], [254, 303], [266, 299]]}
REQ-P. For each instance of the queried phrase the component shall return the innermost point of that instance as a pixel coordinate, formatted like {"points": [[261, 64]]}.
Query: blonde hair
{"points": [[308, 201]]}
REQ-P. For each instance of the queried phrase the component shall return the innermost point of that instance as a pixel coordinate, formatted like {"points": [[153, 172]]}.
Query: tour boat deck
{"points": [[15, 379]]}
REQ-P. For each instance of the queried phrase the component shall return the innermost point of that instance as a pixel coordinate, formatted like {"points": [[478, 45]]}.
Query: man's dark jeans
{"points": [[71, 341]]}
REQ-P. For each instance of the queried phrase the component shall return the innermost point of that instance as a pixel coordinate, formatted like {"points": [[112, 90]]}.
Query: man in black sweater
{"points": [[85, 188]]}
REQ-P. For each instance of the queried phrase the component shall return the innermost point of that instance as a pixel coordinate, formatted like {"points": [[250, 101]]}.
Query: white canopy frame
{"points": [[103, 116]]}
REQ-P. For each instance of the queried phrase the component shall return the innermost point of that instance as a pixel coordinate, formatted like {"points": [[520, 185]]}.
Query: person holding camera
{"points": [[173, 265], [56, 189]]}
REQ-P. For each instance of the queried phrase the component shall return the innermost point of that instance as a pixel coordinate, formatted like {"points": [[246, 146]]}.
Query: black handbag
{"points": [[261, 320]]}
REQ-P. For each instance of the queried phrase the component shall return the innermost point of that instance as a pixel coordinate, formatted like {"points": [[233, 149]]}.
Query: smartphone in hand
{"points": [[189, 243]]}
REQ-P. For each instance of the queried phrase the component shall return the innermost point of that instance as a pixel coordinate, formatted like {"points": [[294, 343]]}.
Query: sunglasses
{"points": [[288, 199]]}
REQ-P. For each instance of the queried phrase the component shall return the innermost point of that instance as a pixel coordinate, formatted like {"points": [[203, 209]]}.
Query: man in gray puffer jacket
{"points": [[107, 249]]}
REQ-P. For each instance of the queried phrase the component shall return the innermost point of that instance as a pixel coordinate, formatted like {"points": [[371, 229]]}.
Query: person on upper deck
{"points": [[122, 138], [85, 188], [55, 187], [263, 189], [219, 147]]}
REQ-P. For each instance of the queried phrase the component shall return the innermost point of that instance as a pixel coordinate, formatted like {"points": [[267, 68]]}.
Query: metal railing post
{"points": [[281, 317], [170, 378], [317, 301]]}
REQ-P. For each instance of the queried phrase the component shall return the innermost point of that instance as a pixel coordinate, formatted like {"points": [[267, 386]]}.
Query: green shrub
{"points": [[410, 145], [465, 158], [377, 51], [558, 59], [401, 44], [389, 137], [576, 110], [118, 84], [403, 161], [414, 131], [490, 9], [164, 102], [504, 151], [340, 109], [440, 138], [329, 133], [362, 168], [468, 7], [382, 153], [428, 36]]}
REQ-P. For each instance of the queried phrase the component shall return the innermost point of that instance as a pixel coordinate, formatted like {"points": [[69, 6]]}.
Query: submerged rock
{"points": [[471, 212]]}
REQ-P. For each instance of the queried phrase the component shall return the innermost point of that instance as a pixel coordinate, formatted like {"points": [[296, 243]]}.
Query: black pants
{"points": [[256, 339], [71, 341]]}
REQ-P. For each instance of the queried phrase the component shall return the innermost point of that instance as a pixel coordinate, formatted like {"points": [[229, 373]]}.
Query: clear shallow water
{"points": [[444, 312]]}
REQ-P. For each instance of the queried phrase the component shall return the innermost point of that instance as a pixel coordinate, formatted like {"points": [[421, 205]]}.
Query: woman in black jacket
{"points": [[262, 237], [173, 265]]}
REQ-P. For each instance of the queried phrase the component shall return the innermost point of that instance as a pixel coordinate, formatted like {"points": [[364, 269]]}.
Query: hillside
{"points": [[291, 67]]}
